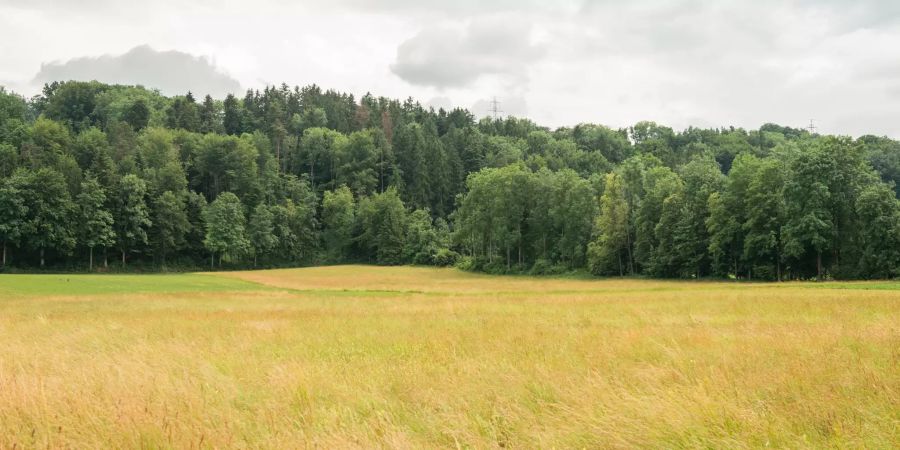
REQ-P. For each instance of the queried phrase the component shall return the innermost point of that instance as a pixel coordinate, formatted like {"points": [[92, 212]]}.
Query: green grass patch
{"points": [[862, 285], [79, 284]]}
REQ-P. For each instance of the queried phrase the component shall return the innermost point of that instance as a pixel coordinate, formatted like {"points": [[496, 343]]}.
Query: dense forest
{"points": [[108, 177]]}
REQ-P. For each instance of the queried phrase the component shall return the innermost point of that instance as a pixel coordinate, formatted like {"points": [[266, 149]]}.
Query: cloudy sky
{"points": [[678, 62]]}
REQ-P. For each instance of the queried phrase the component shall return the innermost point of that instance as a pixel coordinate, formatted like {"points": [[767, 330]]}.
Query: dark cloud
{"points": [[172, 72], [457, 56]]}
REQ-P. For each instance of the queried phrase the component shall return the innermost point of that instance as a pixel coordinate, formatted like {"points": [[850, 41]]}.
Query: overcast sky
{"points": [[678, 62]]}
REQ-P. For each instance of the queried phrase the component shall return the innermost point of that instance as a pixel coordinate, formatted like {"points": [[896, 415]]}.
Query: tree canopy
{"points": [[297, 176]]}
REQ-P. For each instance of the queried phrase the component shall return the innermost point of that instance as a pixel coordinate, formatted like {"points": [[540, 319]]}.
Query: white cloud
{"points": [[680, 62]]}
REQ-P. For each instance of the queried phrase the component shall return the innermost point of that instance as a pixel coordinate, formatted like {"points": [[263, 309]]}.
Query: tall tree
{"points": [[170, 223], [261, 232], [338, 211], [879, 214], [131, 214], [50, 212], [94, 220], [382, 218], [702, 178], [232, 120], [225, 228], [765, 216], [209, 116], [607, 251], [13, 212]]}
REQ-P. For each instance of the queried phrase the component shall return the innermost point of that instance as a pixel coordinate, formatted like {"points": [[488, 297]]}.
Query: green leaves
{"points": [[225, 228]]}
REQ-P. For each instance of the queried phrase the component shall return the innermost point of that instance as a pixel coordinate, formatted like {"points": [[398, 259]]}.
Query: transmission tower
{"points": [[495, 107], [812, 127]]}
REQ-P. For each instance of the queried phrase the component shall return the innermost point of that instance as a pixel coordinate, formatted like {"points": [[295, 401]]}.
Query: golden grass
{"points": [[365, 357]]}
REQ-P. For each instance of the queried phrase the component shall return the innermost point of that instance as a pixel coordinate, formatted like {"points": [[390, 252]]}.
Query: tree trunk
{"points": [[212, 261], [819, 266], [778, 267], [105, 261], [91, 259], [619, 257], [123, 257], [278, 155], [628, 249], [4, 253], [42, 256]]}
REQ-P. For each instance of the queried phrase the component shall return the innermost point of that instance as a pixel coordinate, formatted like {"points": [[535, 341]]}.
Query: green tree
{"points": [[195, 206], [321, 150], [879, 214], [728, 215], [233, 115], [73, 103], [93, 153], [131, 214], [765, 216], [49, 142], [137, 115], [817, 195], [261, 232], [382, 218], [359, 163], [608, 249], [659, 184], [170, 223], [13, 212], [424, 238], [50, 211], [95, 222], [9, 160], [338, 211], [702, 178], [225, 223], [209, 116], [183, 113], [666, 261]]}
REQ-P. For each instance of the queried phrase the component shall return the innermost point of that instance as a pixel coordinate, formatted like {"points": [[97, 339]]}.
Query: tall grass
{"points": [[411, 357]]}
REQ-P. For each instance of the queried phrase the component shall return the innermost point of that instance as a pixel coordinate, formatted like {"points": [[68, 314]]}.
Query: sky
{"points": [[677, 62]]}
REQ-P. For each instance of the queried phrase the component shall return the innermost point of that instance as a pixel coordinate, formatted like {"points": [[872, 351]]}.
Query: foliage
{"points": [[321, 176], [225, 228]]}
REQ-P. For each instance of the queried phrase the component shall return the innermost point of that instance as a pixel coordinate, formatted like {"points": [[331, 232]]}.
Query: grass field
{"points": [[357, 356]]}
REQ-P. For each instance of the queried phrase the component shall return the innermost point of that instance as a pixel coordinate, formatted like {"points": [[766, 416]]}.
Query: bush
{"points": [[545, 267], [445, 257], [466, 263]]}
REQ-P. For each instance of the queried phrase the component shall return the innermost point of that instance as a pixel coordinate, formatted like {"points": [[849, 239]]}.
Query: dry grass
{"points": [[411, 357]]}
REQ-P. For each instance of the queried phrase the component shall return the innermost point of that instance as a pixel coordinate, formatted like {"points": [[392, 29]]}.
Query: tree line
{"points": [[95, 175]]}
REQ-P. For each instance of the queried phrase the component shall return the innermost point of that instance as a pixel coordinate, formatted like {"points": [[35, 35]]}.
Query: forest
{"points": [[105, 177]]}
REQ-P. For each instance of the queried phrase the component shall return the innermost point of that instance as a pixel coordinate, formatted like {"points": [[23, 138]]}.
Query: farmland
{"points": [[412, 357]]}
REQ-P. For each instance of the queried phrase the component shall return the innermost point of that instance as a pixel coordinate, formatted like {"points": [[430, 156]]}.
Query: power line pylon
{"points": [[495, 108]]}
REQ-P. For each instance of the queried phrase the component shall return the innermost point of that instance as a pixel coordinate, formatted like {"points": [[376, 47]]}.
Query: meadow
{"points": [[410, 357]]}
